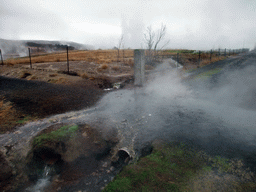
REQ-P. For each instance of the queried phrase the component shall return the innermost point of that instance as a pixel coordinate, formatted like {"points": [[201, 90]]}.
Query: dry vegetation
{"points": [[10, 117], [96, 66], [105, 57], [190, 59], [96, 56]]}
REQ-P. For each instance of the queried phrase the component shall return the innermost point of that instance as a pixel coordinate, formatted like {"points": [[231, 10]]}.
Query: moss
{"points": [[55, 136], [175, 167], [164, 169]]}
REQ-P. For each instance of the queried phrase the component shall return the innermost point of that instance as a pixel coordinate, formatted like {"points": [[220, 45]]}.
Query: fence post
{"points": [[177, 59], [199, 58], [219, 52], [139, 67], [123, 55], [211, 55], [67, 60], [30, 58], [2, 61]]}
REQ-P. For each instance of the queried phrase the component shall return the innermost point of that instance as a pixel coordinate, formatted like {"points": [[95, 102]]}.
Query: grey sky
{"points": [[191, 24]]}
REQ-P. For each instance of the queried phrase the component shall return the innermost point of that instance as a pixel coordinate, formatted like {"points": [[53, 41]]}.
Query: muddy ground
{"points": [[47, 89]]}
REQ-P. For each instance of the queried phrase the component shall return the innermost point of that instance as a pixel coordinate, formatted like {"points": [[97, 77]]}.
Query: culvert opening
{"points": [[123, 157], [45, 162]]}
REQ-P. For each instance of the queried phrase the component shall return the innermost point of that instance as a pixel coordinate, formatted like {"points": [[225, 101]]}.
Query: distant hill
{"points": [[19, 48]]}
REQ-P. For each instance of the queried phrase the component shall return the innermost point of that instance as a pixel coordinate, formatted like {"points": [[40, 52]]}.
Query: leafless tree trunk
{"points": [[123, 53], [149, 37], [152, 42]]}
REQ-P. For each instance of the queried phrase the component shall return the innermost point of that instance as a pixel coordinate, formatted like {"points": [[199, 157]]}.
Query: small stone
{"points": [[84, 134], [149, 115], [111, 168], [105, 164], [17, 132], [108, 171], [105, 181]]}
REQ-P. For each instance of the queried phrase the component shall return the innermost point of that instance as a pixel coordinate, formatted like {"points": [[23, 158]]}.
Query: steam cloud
{"points": [[218, 116]]}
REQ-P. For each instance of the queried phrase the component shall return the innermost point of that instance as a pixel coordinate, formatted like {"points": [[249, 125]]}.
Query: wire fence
{"points": [[189, 58], [186, 58]]}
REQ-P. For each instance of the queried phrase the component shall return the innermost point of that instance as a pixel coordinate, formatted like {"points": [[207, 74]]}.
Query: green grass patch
{"points": [[54, 136], [24, 120], [208, 73], [175, 167], [165, 169]]}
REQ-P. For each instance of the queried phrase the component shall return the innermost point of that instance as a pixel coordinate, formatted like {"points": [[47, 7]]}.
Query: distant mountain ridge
{"points": [[19, 48]]}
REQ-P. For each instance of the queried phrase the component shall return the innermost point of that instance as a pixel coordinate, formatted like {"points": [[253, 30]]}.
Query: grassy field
{"points": [[97, 56], [188, 58], [175, 167]]}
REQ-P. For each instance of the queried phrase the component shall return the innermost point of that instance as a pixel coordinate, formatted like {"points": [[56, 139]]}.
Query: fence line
{"points": [[181, 56], [2, 61]]}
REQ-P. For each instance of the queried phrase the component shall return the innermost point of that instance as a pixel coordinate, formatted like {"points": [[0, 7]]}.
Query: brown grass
{"points": [[32, 77], [84, 75], [97, 56], [103, 66], [9, 116], [53, 75], [105, 57], [115, 67], [208, 61], [24, 74]]}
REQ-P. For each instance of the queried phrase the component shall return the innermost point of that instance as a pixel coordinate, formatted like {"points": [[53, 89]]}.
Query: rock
{"points": [[82, 143], [5, 169], [105, 164]]}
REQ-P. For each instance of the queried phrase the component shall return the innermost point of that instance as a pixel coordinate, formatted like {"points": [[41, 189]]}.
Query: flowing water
{"points": [[43, 181]]}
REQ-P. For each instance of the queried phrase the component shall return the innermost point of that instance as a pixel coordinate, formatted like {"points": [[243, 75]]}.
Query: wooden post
{"points": [[67, 60], [123, 55], [199, 57], [211, 55], [225, 53], [30, 58], [219, 52], [1, 57]]}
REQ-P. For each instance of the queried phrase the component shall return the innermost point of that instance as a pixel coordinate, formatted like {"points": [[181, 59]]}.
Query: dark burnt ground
{"points": [[43, 99]]}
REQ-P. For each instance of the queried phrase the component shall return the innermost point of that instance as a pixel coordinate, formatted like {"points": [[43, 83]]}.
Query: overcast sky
{"points": [[191, 24]]}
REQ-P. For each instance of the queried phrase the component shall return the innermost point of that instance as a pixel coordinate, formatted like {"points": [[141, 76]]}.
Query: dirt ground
{"points": [[47, 89]]}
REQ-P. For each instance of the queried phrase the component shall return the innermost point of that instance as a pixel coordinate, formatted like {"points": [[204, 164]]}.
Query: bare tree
{"points": [[149, 37], [152, 40], [119, 46]]}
